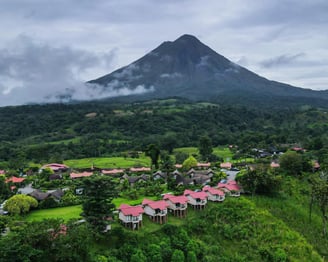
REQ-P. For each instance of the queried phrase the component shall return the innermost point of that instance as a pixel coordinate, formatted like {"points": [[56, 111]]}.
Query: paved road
{"points": [[26, 190], [231, 175]]}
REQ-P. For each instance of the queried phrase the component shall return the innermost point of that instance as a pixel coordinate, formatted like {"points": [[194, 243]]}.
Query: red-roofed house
{"points": [[201, 165], [14, 179], [274, 165], [298, 149], [156, 210], [140, 169], [197, 200], [55, 167], [112, 172], [226, 165], [230, 187], [79, 175], [214, 194], [177, 204], [130, 216]]}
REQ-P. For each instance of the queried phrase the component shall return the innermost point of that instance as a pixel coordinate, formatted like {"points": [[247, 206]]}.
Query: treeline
{"points": [[59, 132]]}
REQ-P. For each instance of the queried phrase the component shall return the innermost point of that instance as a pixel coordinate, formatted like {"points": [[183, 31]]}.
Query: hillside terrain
{"points": [[270, 224]]}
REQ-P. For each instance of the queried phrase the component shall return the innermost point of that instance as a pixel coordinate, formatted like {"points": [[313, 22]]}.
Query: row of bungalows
{"points": [[157, 211]]}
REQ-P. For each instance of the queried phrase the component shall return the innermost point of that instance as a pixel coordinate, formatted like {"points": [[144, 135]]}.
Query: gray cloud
{"points": [[37, 72], [282, 60]]}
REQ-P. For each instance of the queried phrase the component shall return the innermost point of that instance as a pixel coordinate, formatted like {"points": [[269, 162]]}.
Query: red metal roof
{"points": [[55, 166], [140, 169], [161, 204], [201, 195], [15, 179], [274, 165], [204, 164], [176, 199], [298, 149], [231, 186], [226, 165], [78, 175], [213, 191], [113, 171], [128, 210]]}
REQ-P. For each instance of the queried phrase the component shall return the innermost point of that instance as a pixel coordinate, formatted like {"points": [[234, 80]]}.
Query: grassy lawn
{"points": [[108, 162], [223, 152], [70, 212], [65, 213]]}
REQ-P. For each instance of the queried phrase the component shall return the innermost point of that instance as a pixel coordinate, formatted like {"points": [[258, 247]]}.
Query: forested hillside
{"points": [[57, 132]]}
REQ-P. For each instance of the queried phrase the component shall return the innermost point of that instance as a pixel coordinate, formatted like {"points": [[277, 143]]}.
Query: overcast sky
{"points": [[49, 47]]}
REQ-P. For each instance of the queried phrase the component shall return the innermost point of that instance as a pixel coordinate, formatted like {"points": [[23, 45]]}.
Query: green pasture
{"points": [[65, 213], [223, 152], [108, 162]]}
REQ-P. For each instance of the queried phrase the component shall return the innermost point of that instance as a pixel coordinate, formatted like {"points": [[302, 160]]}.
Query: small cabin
{"points": [[177, 204], [197, 200], [130, 216], [214, 194], [156, 210]]}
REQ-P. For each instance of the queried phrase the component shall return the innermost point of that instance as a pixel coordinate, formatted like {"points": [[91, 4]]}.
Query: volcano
{"points": [[189, 69]]}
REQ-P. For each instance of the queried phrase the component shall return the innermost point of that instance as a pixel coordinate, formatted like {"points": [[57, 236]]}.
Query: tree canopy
{"points": [[20, 204], [189, 163], [98, 207]]}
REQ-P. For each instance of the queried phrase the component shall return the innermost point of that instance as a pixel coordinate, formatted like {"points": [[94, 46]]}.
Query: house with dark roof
{"points": [[130, 216], [160, 175], [135, 179], [181, 180], [40, 196], [156, 210], [214, 194], [197, 200], [177, 204]]}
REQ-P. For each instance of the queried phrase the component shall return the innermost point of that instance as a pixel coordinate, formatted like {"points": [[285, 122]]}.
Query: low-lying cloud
{"points": [[33, 72]]}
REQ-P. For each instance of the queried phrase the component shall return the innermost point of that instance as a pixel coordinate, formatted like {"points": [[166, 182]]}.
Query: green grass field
{"points": [[70, 212], [65, 213], [108, 162], [223, 152]]}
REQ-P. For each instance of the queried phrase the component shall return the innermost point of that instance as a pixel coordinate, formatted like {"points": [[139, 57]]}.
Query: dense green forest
{"points": [[43, 133]]}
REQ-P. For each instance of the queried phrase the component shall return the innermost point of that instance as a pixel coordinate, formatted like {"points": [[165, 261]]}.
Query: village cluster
{"points": [[131, 216]]}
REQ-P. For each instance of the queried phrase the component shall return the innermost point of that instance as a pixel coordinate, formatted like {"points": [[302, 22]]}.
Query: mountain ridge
{"points": [[189, 69]]}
